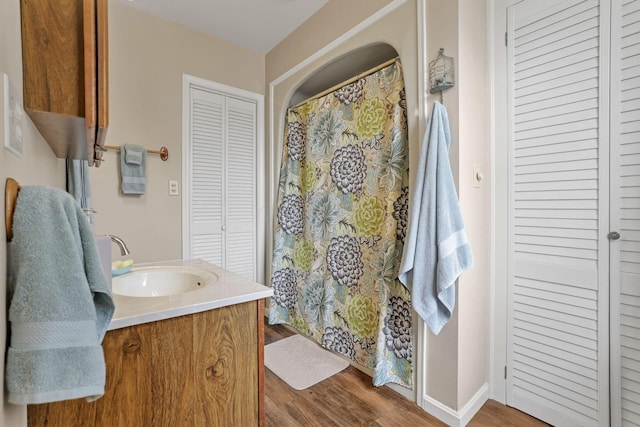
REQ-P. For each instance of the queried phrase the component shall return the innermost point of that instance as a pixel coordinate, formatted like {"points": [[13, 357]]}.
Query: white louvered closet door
{"points": [[207, 139], [241, 188], [625, 218], [223, 138], [558, 269]]}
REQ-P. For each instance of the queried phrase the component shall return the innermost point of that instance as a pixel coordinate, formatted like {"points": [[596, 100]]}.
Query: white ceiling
{"points": [[255, 24]]}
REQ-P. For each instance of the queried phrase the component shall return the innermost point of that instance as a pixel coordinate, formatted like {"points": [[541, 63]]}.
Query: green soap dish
{"points": [[120, 271]]}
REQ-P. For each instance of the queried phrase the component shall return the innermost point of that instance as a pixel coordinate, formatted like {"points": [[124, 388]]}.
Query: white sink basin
{"points": [[162, 281]]}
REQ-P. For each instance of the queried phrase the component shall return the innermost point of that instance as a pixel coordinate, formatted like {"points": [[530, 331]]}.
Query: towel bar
{"points": [[10, 196], [163, 152]]}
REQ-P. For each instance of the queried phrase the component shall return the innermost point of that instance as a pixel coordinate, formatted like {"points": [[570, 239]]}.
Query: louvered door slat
{"points": [[580, 331], [560, 118], [573, 148], [540, 330], [568, 369], [555, 187], [569, 233], [551, 113]]}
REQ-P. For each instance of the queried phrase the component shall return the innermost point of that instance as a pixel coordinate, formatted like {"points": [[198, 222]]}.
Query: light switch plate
{"points": [[173, 187], [12, 117]]}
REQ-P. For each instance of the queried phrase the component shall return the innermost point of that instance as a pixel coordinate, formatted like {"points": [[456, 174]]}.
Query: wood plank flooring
{"points": [[349, 399]]}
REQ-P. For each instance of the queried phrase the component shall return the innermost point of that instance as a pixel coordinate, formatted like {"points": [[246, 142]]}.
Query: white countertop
{"points": [[229, 289]]}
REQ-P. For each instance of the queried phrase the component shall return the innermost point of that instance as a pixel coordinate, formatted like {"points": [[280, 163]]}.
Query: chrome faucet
{"points": [[118, 241]]}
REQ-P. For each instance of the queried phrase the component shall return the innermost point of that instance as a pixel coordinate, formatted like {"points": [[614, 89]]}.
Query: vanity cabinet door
{"points": [[128, 400], [65, 73], [226, 369], [203, 369]]}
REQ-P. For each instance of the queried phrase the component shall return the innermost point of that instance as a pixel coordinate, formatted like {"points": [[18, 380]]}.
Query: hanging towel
{"points": [[133, 160], [437, 250], [60, 304], [79, 186]]}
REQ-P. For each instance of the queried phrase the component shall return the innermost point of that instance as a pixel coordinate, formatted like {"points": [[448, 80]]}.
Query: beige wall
{"points": [[36, 166], [441, 368], [461, 29], [474, 148], [327, 24], [148, 56]]}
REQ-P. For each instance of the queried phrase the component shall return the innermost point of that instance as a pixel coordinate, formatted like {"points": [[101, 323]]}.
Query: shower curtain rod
{"points": [[348, 81]]}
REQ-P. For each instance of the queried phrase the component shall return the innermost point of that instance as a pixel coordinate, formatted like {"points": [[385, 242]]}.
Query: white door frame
{"points": [[500, 205]]}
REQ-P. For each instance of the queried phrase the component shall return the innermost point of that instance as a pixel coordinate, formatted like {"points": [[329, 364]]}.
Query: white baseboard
{"points": [[456, 418]]}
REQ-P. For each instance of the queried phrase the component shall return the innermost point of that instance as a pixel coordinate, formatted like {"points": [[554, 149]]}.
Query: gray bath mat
{"points": [[300, 362]]}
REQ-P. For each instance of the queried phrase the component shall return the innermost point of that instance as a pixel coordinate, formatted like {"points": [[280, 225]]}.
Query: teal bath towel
{"points": [[60, 304], [79, 186], [436, 251], [133, 160]]}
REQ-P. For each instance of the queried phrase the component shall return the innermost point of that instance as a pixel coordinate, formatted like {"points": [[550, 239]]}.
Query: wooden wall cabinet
{"points": [[204, 369], [65, 74]]}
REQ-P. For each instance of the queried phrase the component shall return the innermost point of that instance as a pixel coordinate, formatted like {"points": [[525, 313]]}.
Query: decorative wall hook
{"points": [[441, 73]]}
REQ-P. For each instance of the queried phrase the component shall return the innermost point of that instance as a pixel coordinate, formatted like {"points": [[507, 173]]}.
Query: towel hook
{"points": [[10, 197], [441, 74]]}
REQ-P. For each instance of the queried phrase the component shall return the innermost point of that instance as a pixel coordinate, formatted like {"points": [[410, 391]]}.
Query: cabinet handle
{"points": [[614, 235]]}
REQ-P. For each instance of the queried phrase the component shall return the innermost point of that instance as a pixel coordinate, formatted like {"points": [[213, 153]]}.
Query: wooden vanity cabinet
{"points": [[203, 369], [65, 74]]}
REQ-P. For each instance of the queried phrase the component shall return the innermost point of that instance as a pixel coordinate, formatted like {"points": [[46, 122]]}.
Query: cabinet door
{"points": [[90, 47], [128, 398], [102, 101], [203, 369], [52, 55], [226, 369], [558, 272], [65, 73]]}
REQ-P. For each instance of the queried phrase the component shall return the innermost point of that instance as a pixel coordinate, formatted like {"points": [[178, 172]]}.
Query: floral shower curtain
{"points": [[342, 214]]}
